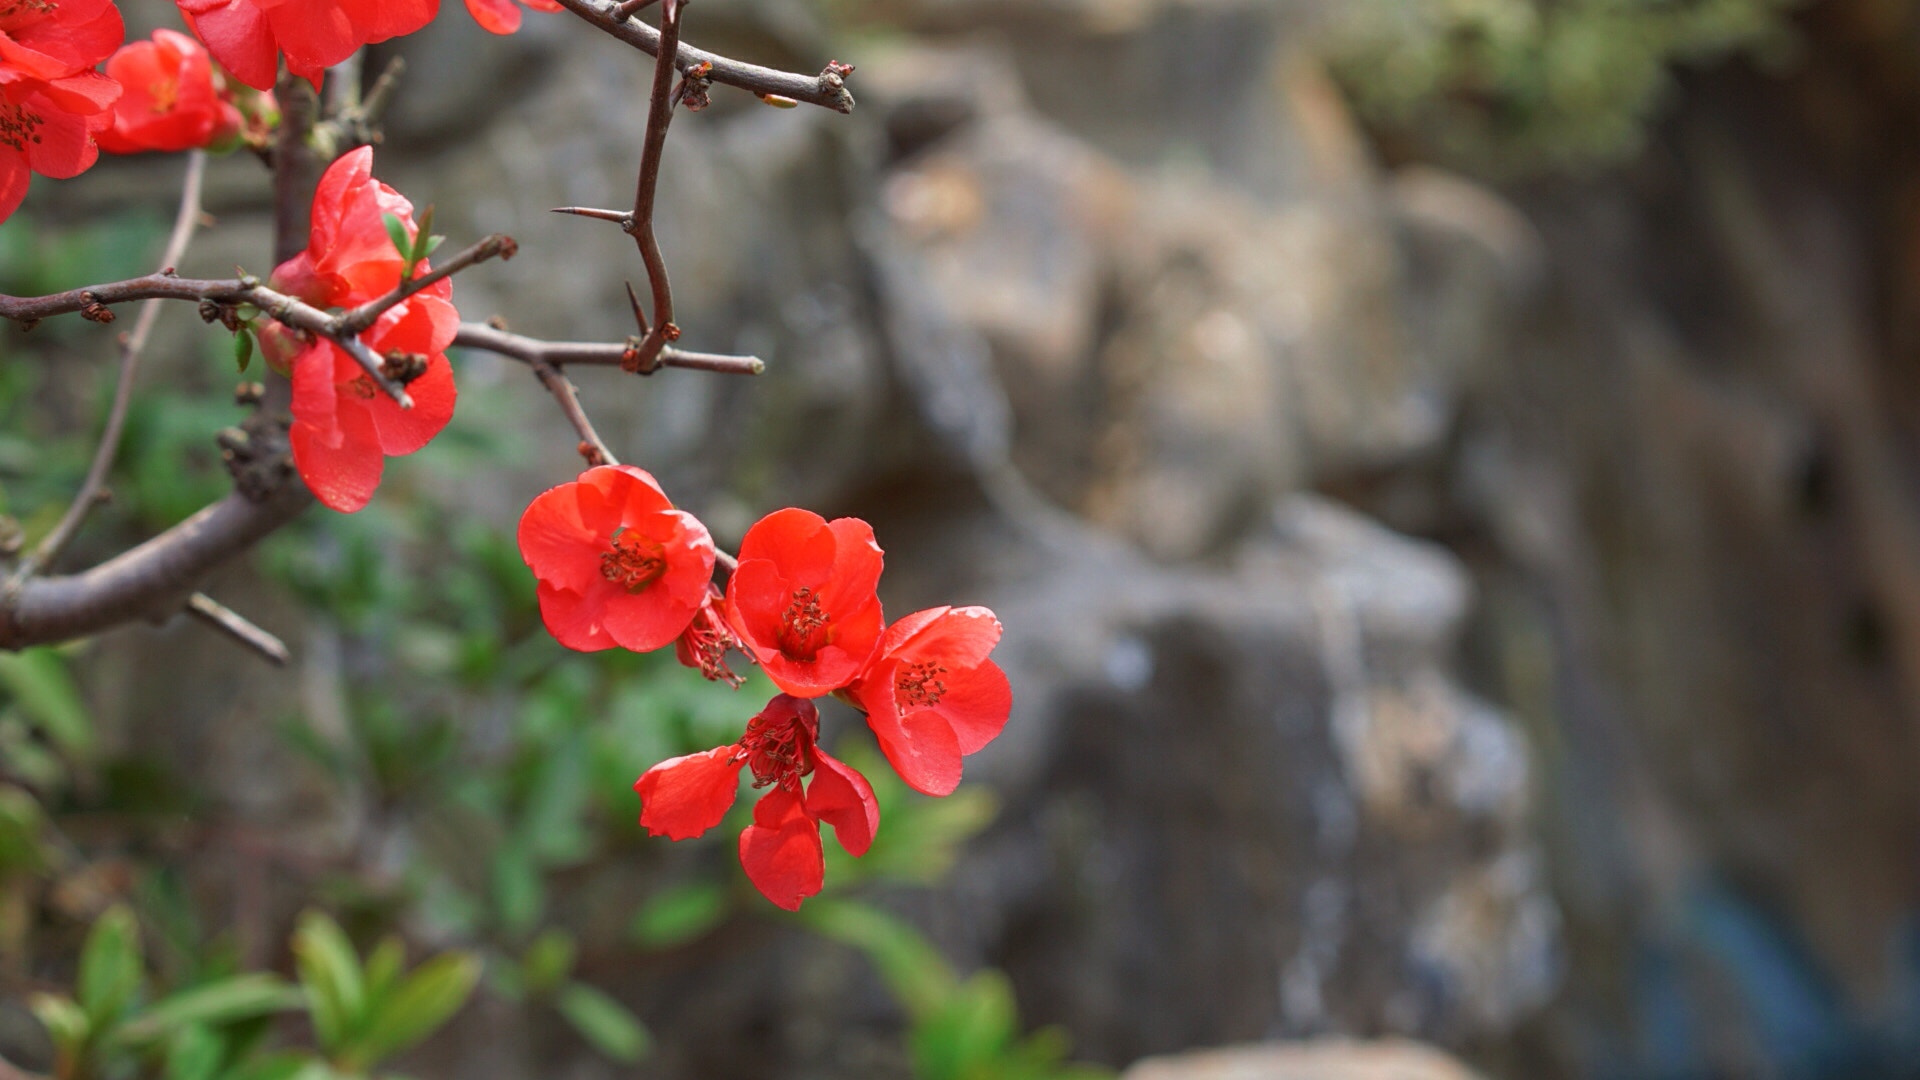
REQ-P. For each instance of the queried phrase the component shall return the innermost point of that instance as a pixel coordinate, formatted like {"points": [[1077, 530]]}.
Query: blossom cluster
{"points": [[58, 110], [618, 565]]}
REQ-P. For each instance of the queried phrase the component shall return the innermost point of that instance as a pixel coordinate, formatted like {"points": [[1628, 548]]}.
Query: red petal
{"points": [[976, 704], [556, 546], [781, 850], [313, 34], [238, 35], [14, 178], [631, 493], [685, 796], [954, 637], [344, 475], [797, 541], [64, 145], [842, 798], [656, 615], [921, 748], [495, 16], [573, 618]]}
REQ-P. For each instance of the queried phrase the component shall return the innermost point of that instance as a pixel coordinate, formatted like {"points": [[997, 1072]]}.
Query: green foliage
{"points": [[1522, 85]]}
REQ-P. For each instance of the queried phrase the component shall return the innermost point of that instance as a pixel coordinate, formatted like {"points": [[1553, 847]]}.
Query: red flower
{"points": [[501, 17], [616, 563], [343, 425], [249, 36], [52, 102], [781, 850], [803, 599], [172, 99], [705, 641], [931, 695]]}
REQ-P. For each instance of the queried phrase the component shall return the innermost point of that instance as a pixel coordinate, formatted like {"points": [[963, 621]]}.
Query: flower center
{"points": [[778, 749], [38, 7], [919, 685], [803, 626], [18, 127], [633, 562], [165, 94]]}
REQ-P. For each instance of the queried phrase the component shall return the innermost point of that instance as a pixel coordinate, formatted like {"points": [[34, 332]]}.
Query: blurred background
{"points": [[1449, 471]]}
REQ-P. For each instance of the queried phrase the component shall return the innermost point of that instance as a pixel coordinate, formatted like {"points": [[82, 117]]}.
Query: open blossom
{"points": [[781, 850], [52, 102], [172, 98], [615, 562], [249, 36], [501, 16], [344, 426], [803, 599], [932, 696]]}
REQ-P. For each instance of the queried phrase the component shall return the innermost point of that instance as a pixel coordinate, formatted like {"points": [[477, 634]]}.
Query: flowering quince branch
{"points": [[359, 322]]}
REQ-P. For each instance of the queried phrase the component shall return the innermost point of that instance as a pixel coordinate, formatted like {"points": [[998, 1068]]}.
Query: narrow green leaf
{"points": [[65, 1021], [679, 914], [397, 232], [238, 998], [194, 1054], [45, 692], [433, 244], [973, 1027], [110, 967], [548, 961], [242, 350], [330, 972], [383, 968], [912, 968], [417, 1007], [421, 244], [610, 1026]]}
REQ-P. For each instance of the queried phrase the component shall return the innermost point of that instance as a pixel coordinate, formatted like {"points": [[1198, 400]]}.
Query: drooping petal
{"points": [[238, 35], [921, 747], [781, 850], [344, 473], [842, 798], [685, 796], [977, 703], [495, 16], [573, 618]]}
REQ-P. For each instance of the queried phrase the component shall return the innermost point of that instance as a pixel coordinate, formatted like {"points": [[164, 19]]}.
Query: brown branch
{"points": [[639, 224], [827, 89], [497, 245], [131, 349], [236, 626], [528, 350], [592, 447]]}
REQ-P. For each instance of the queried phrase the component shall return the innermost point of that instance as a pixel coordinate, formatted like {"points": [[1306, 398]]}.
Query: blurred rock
{"points": [[1330, 1059]]}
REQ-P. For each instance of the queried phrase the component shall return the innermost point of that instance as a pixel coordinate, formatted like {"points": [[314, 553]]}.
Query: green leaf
{"points": [[242, 350], [519, 894], [241, 997], [65, 1021], [110, 968], [40, 685], [548, 961], [432, 245], [330, 972], [397, 232], [608, 1025], [422, 244], [383, 968], [283, 1065], [975, 1025], [679, 914], [417, 1007], [195, 1054], [912, 968]]}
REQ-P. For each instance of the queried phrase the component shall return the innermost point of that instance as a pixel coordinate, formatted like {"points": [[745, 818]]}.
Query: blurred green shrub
{"points": [[1515, 86]]}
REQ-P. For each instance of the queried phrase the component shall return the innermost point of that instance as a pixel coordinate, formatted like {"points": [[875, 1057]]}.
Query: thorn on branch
{"points": [[220, 617]]}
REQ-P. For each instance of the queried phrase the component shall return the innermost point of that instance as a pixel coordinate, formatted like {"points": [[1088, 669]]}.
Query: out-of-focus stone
{"points": [[1330, 1059]]}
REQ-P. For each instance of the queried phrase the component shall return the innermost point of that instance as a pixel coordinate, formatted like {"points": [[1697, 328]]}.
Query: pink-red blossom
{"points": [[804, 599], [781, 850], [615, 562], [52, 102], [932, 696], [172, 98], [501, 16], [248, 37]]}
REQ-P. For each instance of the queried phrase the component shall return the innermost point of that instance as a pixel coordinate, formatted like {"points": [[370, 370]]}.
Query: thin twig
{"points": [[236, 626], [592, 447], [132, 346], [646, 187], [827, 89], [527, 350], [358, 319]]}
